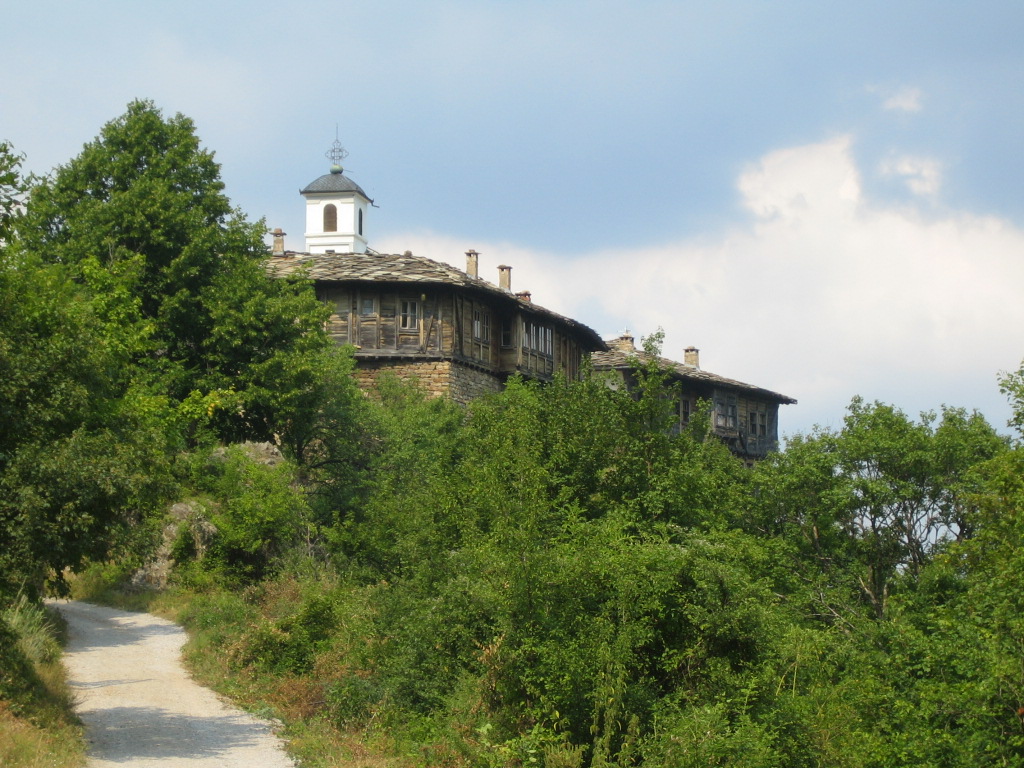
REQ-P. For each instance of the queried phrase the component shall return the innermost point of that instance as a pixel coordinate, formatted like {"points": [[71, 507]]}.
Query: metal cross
{"points": [[336, 153]]}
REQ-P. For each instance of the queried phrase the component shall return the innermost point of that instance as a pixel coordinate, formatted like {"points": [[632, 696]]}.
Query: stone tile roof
{"points": [[407, 268], [620, 360], [333, 183]]}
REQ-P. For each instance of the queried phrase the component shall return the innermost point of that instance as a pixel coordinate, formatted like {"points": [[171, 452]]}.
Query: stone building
{"points": [[448, 329], [743, 416]]}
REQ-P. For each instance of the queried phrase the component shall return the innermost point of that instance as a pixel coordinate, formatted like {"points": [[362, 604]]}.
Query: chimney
{"points": [[505, 278], [625, 343], [691, 356], [524, 295], [278, 234], [472, 263]]}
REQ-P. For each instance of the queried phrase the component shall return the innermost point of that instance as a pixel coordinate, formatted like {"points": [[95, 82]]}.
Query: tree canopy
{"points": [[139, 319]]}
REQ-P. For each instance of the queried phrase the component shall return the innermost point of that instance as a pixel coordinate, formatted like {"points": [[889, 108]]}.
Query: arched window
{"points": [[360, 230], [330, 218]]}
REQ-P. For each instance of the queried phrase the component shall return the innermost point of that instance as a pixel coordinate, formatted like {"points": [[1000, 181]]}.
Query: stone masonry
{"points": [[436, 377]]}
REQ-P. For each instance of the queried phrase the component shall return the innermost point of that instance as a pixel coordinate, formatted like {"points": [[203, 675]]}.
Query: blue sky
{"points": [[824, 197]]}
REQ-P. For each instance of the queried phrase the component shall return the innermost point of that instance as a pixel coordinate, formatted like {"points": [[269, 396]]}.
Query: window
{"points": [[368, 306], [506, 334], [330, 218], [758, 420], [684, 410], [537, 338], [725, 412], [409, 318], [481, 325], [360, 230]]}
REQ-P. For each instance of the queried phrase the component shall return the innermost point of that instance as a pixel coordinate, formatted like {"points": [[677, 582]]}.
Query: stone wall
{"points": [[437, 377], [434, 376], [469, 383]]}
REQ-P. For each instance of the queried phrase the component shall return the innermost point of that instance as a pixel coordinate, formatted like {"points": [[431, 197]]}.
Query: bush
{"points": [[254, 515]]}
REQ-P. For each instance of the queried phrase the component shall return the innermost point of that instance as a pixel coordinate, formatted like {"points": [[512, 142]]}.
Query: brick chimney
{"points": [[472, 263], [524, 295], [625, 343], [278, 249], [505, 278], [691, 356]]}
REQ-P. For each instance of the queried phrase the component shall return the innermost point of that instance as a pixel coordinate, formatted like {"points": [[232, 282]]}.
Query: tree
{"points": [[1011, 384], [12, 188], [141, 219], [875, 499], [81, 455]]}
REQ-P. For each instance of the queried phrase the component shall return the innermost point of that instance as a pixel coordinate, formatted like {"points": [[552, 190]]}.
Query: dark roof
{"points": [[621, 360], [335, 181], [406, 268]]}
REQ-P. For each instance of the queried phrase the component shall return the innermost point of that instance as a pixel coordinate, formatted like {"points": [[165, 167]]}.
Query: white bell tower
{"points": [[335, 210]]}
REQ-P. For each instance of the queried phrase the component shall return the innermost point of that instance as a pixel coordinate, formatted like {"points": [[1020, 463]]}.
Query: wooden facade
{"points": [[743, 416], [404, 312]]}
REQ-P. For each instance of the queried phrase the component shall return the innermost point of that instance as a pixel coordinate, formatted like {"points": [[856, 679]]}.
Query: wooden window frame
{"points": [[409, 315], [481, 325], [538, 339], [727, 412]]}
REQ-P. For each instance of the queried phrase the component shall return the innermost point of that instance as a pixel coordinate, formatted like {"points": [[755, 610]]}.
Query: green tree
{"points": [[12, 188], [81, 456], [873, 500], [141, 218]]}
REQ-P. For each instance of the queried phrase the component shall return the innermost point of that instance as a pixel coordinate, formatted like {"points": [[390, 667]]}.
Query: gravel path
{"points": [[140, 707]]}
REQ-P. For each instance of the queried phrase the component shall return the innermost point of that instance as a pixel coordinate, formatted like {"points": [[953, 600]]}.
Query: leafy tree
{"points": [[1011, 384], [872, 501], [12, 188], [140, 217], [80, 456], [137, 315]]}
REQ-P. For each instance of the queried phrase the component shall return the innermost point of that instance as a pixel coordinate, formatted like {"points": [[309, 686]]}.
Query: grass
{"points": [[38, 726], [223, 628]]}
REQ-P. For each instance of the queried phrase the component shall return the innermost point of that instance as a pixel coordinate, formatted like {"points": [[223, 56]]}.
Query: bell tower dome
{"points": [[335, 210]]}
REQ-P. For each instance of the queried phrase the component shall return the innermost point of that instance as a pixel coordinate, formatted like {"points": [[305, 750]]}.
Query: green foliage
{"points": [[136, 320], [12, 188], [34, 629], [36, 719], [177, 278], [556, 565], [255, 515], [868, 504], [19, 683], [81, 457], [537, 580], [1011, 384]]}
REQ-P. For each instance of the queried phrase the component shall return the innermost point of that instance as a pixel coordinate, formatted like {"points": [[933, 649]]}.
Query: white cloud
{"points": [[823, 295], [922, 175], [904, 99]]}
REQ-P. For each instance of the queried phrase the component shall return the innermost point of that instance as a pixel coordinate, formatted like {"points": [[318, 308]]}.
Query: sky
{"points": [[823, 197]]}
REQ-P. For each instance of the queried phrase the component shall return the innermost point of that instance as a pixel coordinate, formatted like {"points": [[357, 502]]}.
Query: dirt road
{"points": [[140, 707]]}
